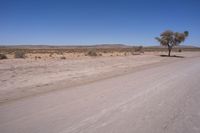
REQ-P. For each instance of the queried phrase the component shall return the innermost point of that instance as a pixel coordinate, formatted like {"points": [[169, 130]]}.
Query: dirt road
{"points": [[161, 99]]}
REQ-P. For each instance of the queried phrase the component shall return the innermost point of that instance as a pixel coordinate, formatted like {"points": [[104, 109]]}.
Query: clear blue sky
{"points": [[72, 22]]}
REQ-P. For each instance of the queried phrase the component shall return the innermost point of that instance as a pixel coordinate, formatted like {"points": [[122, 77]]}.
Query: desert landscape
{"points": [[98, 92], [99, 66], [41, 70]]}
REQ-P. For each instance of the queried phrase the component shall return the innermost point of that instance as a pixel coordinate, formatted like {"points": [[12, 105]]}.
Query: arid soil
{"points": [[25, 77], [144, 94]]}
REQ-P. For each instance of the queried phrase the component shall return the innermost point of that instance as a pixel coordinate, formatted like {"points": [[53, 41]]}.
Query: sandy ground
{"points": [[24, 77], [161, 98]]}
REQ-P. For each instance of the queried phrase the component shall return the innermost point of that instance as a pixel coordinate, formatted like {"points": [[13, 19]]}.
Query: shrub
{"points": [[179, 50], [92, 52], [139, 49], [63, 57], [3, 56], [19, 54]]}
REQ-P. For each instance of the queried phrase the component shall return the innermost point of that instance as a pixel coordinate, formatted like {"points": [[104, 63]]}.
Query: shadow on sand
{"points": [[175, 56]]}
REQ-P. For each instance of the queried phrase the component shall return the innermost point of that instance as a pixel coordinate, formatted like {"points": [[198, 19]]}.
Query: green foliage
{"points": [[170, 39], [186, 33]]}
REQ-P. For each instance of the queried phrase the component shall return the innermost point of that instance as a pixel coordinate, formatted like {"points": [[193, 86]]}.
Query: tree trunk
{"points": [[170, 49]]}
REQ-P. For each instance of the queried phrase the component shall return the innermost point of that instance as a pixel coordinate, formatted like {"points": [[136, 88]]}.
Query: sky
{"points": [[87, 22]]}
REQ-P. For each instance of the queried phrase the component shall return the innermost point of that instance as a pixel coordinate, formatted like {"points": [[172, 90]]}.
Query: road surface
{"points": [[161, 99]]}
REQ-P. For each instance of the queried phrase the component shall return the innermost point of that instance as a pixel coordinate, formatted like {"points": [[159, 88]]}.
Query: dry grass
{"points": [[92, 52], [63, 58], [59, 53], [3, 56], [19, 54]]}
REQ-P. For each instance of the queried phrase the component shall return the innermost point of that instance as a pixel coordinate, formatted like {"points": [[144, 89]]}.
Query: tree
{"points": [[170, 39]]}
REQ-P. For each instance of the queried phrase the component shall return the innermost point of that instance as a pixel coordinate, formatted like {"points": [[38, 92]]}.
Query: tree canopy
{"points": [[170, 39]]}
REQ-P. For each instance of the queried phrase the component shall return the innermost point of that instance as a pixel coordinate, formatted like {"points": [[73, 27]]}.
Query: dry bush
{"points": [[37, 57], [92, 52], [19, 54], [139, 49], [63, 57], [3, 56], [50, 55]]}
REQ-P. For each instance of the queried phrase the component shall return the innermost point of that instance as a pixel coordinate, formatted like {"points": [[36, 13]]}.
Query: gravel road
{"points": [[161, 99]]}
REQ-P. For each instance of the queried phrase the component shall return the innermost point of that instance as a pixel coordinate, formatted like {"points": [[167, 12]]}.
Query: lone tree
{"points": [[170, 39]]}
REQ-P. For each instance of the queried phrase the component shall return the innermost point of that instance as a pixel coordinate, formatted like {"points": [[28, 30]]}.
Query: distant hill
{"points": [[180, 46], [88, 46], [111, 46], [65, 46]]}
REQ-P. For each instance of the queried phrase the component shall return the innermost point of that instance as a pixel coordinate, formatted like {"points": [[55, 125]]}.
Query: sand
{"points": [[25, 77], [162, 97]]}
